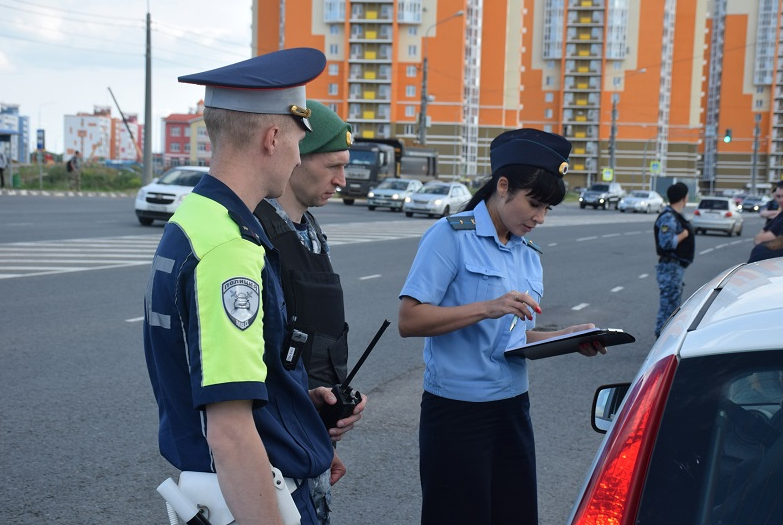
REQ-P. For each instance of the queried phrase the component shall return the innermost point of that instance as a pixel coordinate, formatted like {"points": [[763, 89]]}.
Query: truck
{"points": [[372, 160]]}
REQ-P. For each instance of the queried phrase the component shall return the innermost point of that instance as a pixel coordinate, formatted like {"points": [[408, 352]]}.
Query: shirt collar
{"points": [[216, 190], [486, 228]]}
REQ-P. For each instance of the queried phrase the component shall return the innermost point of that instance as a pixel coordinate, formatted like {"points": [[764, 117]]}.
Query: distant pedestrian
{"points": [[3, 164], [74, 169], [675, 245]]}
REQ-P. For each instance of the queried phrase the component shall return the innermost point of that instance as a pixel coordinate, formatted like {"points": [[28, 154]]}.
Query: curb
{"points": [[65, 193]]}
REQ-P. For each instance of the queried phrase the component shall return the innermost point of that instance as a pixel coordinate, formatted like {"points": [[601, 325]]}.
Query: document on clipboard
{"points": [[569, 343]]}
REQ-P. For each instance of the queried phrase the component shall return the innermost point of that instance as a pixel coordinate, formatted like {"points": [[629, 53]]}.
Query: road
{"points": [[79, 421]]}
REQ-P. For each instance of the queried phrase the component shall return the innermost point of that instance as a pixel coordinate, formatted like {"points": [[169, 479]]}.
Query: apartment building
{"points": [[646, 90], [99, 136], [185, 139]]}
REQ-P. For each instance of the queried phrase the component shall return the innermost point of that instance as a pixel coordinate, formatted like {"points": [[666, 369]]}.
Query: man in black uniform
{"points": [[313, 294]]}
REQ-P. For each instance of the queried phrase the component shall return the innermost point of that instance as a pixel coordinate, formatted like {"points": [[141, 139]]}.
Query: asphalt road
{"points": [[78, 421]]}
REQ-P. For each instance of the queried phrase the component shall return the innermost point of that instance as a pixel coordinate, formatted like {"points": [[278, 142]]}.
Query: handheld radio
{"points": [[347, 397]]}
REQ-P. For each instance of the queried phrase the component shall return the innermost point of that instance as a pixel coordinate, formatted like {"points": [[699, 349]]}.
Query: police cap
{"points": [[531, 147], [271, 84]]}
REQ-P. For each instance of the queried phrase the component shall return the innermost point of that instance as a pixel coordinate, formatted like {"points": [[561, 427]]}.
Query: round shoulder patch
{"points": [[241, 299]]}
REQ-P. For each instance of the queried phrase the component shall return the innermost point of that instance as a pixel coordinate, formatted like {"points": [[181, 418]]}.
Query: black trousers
{"points": [[477, 462]]}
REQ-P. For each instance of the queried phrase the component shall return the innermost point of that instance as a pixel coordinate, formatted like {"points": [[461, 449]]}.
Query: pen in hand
{"points": [[515, 318]]}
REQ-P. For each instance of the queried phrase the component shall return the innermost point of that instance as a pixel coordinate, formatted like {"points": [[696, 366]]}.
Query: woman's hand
{"points": [[590, 349], [513, 302]]}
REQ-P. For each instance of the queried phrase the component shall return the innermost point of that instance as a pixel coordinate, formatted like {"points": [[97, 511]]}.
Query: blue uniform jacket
{"points": [[456, 267], [200, 349]]}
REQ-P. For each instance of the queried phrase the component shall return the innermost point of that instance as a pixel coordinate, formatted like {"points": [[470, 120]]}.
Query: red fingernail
{"points": [[538, 310]]}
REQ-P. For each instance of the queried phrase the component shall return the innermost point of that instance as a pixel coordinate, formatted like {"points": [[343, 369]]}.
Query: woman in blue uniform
{"points": [[473, 277]]}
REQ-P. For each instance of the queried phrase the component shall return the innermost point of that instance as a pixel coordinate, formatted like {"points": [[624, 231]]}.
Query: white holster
{"points": [[202, 488]]}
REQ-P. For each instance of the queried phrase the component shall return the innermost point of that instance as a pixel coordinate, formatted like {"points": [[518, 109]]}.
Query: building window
{"points": [[548, 128], [334, 49], [202, 132], [413, 30], [410, 111], [175, 131], [332, 89], [332, 106], [175, 147], [549, 97], [202, 147], [334, 69], [410, 91], [408, 129], [548, 113], [413, 50], [334, 28], [759, 103], [548, 81], [410, 71], [187, 147]]}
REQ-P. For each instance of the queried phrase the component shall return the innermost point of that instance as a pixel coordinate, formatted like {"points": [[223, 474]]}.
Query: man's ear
{"points": [[269, 138]]}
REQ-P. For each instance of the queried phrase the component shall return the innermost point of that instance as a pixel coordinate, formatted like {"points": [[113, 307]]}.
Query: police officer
{"points": [[312, 289], [675, 245], [226, 403], [474, 274]]}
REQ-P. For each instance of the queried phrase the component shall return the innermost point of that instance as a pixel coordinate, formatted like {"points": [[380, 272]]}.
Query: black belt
{"points": [[666, 260]]}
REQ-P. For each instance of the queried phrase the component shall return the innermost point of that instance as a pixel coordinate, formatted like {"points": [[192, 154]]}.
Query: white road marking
{"points": [[594, 237], [644, 276], [134, 320], [580, 306], [375, 276], [616, 289]]}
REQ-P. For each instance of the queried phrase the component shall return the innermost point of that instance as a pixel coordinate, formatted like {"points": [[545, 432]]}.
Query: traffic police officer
{"points": [[214, 324], [312, 289], [473, 275], [675, 245]]}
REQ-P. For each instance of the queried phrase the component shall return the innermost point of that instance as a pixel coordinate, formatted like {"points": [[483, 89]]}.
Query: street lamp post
{"points": [[424, 71]]}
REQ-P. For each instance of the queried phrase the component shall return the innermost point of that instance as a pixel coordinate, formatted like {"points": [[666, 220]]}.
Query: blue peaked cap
{"points": [[272, 84], [531, 147]]}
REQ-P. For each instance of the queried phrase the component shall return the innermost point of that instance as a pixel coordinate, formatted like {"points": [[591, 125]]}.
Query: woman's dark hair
{"points": [[543, 186]]}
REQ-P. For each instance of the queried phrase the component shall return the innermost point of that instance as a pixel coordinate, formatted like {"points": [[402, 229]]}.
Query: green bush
{"points": [[94, 177]]}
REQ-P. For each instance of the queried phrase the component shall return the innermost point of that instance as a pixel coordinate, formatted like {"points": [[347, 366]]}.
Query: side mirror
{"points": [[606, 404]]}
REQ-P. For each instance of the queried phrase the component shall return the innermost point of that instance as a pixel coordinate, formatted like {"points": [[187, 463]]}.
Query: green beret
{"points": [[330, 132]]}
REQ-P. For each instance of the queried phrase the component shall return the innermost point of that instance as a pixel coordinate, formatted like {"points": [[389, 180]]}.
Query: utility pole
{"points": [[756, 133], [613, 132], [424, 73], [147, 177]]}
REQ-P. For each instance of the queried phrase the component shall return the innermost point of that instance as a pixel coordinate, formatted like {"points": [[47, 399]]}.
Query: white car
{"points": [[717, 213], [697, 437], [642, 201], [391, 193], [437, 199], [159, 200]]}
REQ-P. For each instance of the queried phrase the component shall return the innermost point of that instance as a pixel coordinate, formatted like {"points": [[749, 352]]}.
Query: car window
{"points": [[393, 184], [640, 194], [181, 177], [718, 456], [435, 190], [714, 204], [599, 187]]}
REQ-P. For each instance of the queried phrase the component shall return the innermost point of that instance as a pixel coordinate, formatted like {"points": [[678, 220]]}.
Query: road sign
{"points": [[608, 174], [40, 139], [655, 167]]}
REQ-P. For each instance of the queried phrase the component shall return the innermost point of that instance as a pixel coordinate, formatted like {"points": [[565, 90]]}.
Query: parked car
{"points": [[391, 193], [640, 200], [437, 199], [717, 213], [753, 203], [602, 194], [159, 200], [697, 436]]}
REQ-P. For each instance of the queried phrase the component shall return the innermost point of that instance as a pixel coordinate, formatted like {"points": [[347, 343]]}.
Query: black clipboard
{"points": [[569, 343]]}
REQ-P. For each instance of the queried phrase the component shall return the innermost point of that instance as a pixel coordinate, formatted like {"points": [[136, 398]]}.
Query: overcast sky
{"points": [[59, 57]]}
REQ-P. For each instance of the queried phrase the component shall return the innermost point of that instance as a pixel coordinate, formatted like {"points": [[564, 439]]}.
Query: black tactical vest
{"points": [[686, 249], [314, 299]]}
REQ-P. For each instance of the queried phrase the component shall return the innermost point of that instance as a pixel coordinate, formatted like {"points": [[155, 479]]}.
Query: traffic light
{"points": [[727, 136]]}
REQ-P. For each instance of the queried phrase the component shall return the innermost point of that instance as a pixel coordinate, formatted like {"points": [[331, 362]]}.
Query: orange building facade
{"points": [[646, 90]]}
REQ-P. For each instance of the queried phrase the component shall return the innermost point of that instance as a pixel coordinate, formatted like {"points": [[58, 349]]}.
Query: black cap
{"points": [[531, 147]]}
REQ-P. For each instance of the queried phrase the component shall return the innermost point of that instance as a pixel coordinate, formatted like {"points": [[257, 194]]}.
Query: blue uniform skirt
{"points": [[477, 462]]}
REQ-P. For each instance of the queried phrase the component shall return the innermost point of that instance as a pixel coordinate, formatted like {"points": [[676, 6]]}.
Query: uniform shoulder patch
{"points": [[241, 300], [664, 228], [462, 222], [531, 244]]}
